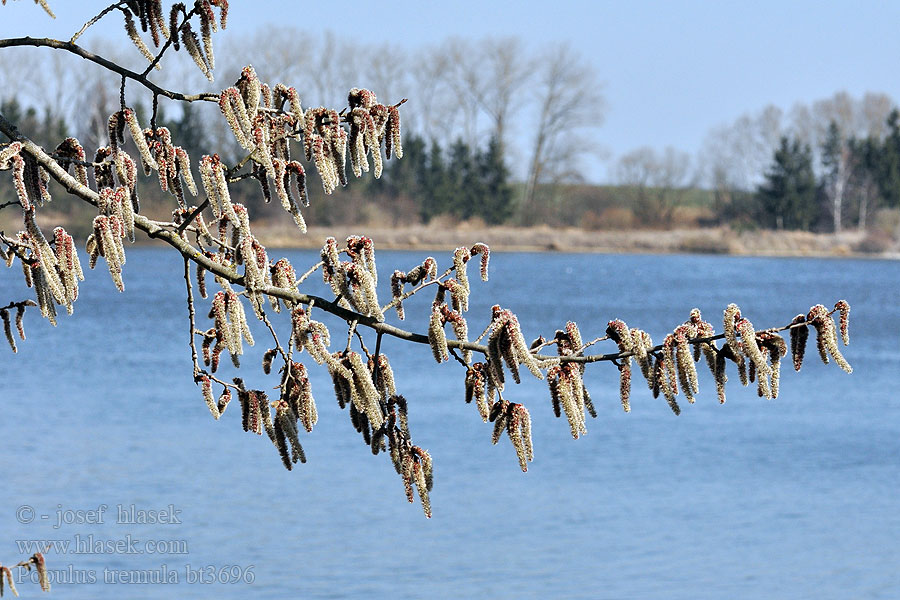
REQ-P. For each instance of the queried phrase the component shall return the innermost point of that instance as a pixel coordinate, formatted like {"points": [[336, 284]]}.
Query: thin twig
{"points": [[353, 325], [458, 359], [173, 35], [18, 304], [190, 304], [594, 341], [377, 354], [102, 14], [410, 293], [312, 270], [362, 344], [193, 215], [285, 356], [484, 333]]}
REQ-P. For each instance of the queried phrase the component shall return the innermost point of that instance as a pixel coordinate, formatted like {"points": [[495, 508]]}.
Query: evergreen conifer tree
{"points": [[787, 199]]}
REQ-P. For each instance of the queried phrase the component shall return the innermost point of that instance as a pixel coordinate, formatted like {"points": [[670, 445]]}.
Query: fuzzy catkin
{"points": [[437, 339], [799, 335]]}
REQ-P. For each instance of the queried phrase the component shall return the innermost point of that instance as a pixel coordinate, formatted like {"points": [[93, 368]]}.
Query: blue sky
{"points": [[672, 70]]}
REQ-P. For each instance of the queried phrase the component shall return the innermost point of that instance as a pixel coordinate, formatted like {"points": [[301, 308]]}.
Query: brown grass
{"points": [[444, 235]]}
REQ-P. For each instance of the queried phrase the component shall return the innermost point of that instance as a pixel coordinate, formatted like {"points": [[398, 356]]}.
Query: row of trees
{"points": [[461, 181], [855, 176], [457, 180], [822, 166], [539, 107], [837, 152]]}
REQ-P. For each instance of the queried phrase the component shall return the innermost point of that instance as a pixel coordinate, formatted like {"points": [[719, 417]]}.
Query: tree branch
{"points": [[174, 239], [190, 306], [93, 20], [107, 64]]}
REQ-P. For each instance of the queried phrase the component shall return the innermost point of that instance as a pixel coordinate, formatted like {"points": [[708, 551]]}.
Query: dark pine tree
{"points": [[888, 163], [787, 199], [437, 193], [468, 189], [496, 204]]}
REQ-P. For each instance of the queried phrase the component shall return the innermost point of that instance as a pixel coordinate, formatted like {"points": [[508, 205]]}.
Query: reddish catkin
{"points": [[224, 399], [385, 379], [625, 385], [514, 431], [482, 249], [41, 567], [20, 313], [460, 328], [731, 316], [206, 388], [826, 336], [750, 347], [7, 329], [475, 389], [687, 371], [844, 307], [799, 335], [777, 348], [437, 339], [397, 280], [6, 575], [460, 259]]}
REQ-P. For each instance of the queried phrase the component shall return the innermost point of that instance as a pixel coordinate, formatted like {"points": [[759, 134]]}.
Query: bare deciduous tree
{"points": [[739, 152], [570, 104]]}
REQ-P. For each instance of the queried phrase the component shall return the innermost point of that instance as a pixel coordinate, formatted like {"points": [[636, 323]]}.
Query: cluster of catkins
{"points": [[670, 368], [377, 412], [51, 267], [264, 119], [441, 312], [36, 562], [242, 247], [485, 380], [256, 416], [371, 125], [30, 179], [229, 329], [820, 319], [568, 393], [353, 281], [7, 322], [115, 173], [261, 124], [178, 33], [516, 420]]}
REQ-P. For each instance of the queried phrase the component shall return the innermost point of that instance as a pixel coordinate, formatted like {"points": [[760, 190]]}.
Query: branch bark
{"points": [[107, 64], [154, 230]]}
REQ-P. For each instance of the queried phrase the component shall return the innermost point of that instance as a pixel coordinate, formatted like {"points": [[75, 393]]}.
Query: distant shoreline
{"points": [[446, 235], [718, 240]]}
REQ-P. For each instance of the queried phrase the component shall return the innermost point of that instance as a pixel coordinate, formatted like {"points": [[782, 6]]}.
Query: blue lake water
{"points": [[791, 498]]}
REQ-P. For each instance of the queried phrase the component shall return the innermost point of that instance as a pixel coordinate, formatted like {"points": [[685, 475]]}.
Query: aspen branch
{"points": [[107, 64], [156, 230]]}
